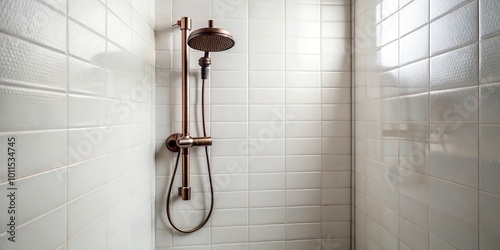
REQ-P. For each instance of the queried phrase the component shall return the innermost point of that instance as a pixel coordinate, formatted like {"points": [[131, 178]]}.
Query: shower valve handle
{"points": [[188, 141]]}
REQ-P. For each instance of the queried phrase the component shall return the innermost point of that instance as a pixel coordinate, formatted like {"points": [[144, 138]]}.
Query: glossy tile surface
{"points": [[78, 104], [279, 112], [456, 29], [489, 21], [426, 125], [489, 162], [279, 105]]}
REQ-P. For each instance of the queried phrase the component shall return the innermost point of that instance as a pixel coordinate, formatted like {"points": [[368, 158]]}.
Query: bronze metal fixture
{"points": [[211, 39], [172, 142], [185, 25], [208, 40]]}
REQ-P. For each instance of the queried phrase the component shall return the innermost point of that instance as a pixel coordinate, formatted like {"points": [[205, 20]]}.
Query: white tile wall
{"points": [[426, 115], [427, 179], [75, 89], [279, 113]]}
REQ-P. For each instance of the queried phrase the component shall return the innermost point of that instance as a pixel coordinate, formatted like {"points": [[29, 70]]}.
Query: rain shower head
{"points": [[211, 39]]}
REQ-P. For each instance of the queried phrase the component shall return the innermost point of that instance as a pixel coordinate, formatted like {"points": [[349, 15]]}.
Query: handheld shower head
{"points": [[211, 39]]}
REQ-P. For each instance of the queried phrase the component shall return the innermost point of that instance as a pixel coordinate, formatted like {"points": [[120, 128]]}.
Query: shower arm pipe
{"points": [[184, 141]]}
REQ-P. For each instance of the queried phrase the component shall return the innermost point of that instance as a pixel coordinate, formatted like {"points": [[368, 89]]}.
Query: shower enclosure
{"points": [[278, 111], [334, 124]]}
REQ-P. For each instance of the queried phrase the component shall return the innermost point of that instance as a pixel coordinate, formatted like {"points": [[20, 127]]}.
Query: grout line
{"points": [[248, 125], [448, 50], [36, 43], [67, 120], [479, 95], [39, 217], [444, 14], [491, 35], [321, 121], [429, 127], [353, 127], [33, 87], [27, 132], [284, 119]]}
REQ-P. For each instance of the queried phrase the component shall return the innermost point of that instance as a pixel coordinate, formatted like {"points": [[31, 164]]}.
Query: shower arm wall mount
{"points": [[183, 141]]}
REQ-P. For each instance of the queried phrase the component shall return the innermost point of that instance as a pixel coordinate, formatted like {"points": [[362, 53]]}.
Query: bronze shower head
{"points": [[211, 39]]}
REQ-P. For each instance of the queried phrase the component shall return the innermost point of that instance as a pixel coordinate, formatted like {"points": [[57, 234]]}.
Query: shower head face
{"points": [[211, 39]]}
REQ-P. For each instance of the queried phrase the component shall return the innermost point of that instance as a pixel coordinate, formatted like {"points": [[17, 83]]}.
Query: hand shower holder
{"points": [[176, 142], [186, 142]]}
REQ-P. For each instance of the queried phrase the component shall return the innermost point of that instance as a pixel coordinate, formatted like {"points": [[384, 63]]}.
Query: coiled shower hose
{"points": [[209, 175]]}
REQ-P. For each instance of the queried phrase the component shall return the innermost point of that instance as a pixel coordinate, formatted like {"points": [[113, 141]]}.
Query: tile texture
{"points": [[79, 103], [278, 108], [429, 178]]}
